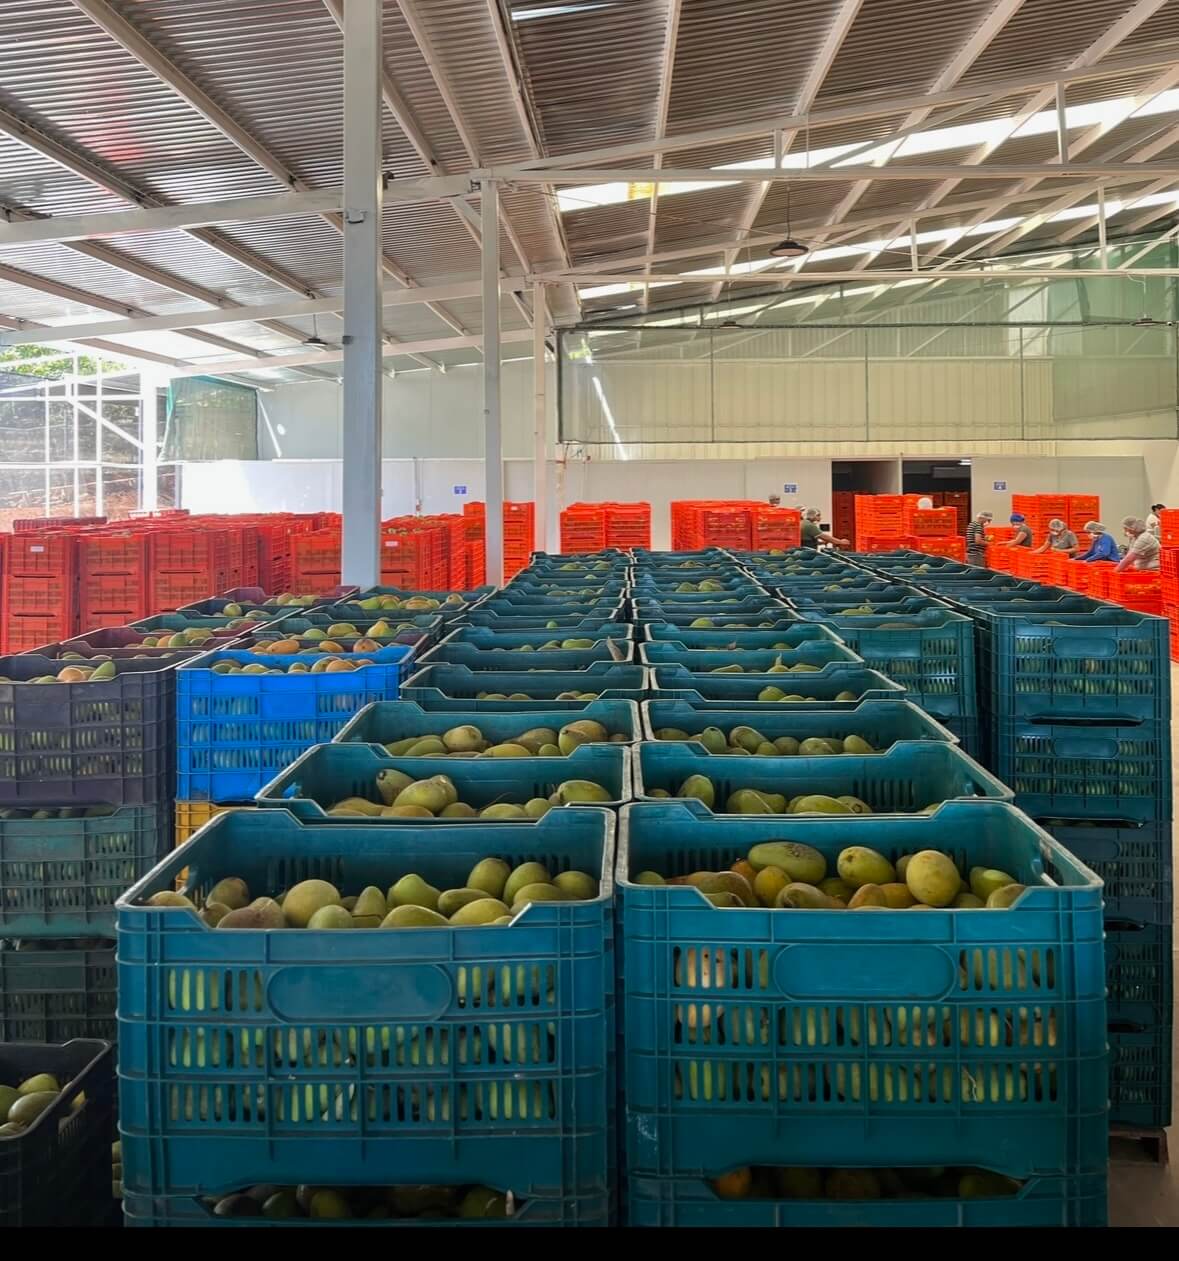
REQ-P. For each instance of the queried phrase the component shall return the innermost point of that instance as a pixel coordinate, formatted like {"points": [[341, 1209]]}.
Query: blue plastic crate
{"points": [[1140, 969], [442, 687], [1118, 774], [930, 651], [477, 1054], [57, 990], [691, 1203], [969, 733], [186, 1212], [947, 1037], [236, 731], [107, 742], [1134, 863], [483, 660], [387, 721], [330, 772], [60, 877], [791, 635], [1140, 1072], [903, 780], [881, 723], [828, 656], [741, 690], [488, 637]]}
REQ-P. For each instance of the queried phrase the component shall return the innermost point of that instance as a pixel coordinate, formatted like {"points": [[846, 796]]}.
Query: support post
{"points": [[540, 452], [99, 497], [1061, 126], [492, 432], [1102, 247], [361, 485], [149, 420]]}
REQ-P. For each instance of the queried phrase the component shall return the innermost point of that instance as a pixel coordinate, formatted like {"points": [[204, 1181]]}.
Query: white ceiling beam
{"points": [[425, 346], [671, 34], [858, 111], [165, 218], [123, 33], [1005, 272], [978, 42], [902, 172], [240, 314]]}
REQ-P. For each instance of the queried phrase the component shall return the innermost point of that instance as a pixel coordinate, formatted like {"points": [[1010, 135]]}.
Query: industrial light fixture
{"points": [[315, 342], [789, 247], [1148, 321]]}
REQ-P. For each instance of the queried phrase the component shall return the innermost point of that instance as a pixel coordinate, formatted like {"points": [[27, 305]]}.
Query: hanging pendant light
{"points": [[789, 247]]}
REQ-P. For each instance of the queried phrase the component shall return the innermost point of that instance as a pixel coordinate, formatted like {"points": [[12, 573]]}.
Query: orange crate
{"points": [[1077, 574], [934, 522], [1169, 527], [952, 546], [628, 525], [776, 528], [1081, 510], [42, 555]]}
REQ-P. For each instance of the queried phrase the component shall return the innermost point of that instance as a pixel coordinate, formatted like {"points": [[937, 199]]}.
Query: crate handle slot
{"points": [[371, 993], [868, 969]]}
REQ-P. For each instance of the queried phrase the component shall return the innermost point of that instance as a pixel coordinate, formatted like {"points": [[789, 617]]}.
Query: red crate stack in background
{"points": [[519, 531], [40, 589], [1081, 510], [843, 514], [314, 565], [952, 546], [776, 529], [583, 528], [112, 578], [628, 525], [187, 563]]}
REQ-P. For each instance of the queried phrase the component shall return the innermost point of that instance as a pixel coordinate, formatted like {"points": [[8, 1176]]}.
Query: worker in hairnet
{"points": [[924, 502], [1060, 539], [1142, 550], [813, 533], [976, 537], [1023, 532], [1101, 543], [1153, 521]]}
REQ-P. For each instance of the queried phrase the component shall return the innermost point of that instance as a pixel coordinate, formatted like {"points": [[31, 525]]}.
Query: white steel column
{"points": [[540, 424], [149, 417], [362, 293], [492, 432]]}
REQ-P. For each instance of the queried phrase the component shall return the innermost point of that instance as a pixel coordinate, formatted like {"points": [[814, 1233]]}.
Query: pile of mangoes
{"points": [[338, 637], [524, 696], [403, 797], [706, 623], [798, 1183], [410, 604], [494, 893], [324, 665], [743, 740], [756, 801], [56, 812], [369, 1203], [467, 741], [707, 584], [788, 875], [774, 694], [21, 1105], [284, 600], [101, 673], [800, 667], [554, 643]]}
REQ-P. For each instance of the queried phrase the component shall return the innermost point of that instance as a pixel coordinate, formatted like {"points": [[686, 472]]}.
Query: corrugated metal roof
{"points": [[588, 75]]}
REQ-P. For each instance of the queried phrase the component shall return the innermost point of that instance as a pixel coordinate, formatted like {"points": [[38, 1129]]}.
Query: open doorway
{"points": [[946, 482], [850, 478]]}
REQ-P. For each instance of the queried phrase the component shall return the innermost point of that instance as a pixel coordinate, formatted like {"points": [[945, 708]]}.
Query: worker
{"points": [[813, 534], [1023, 532], [1153, 524], [1143, 549], [1101, 543], [1060, 539], [924, 502], [976, 537]]}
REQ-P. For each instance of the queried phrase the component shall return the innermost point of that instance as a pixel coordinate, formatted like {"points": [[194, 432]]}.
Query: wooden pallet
{"points": [[1145, 1142]]}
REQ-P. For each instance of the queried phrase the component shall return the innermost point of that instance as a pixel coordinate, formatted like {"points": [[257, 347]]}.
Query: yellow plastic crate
{"points": [[191, 815]]}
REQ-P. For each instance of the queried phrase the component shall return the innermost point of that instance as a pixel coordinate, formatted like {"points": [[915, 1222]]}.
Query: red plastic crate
{"points": [[1135, 588], [933, 522], [106, 594], [124, 552], [1169, 527], [21, 634], [54, 597], [952, 546], [1169, 569], [776, 528], [42, 555], [873, 543], [583, 528], [173, 591], [1100, 573], [628, 525], [1077, 575], [1081, 510], [880, 516]]}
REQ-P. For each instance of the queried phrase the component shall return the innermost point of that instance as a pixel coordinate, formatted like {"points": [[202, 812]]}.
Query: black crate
{"points": [[55, 991], [58, 1171], [109, 742]]}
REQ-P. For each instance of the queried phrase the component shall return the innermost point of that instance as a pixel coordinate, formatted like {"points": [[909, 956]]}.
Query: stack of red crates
{"points": [[1169, 573], [583, 528], [40, 589], [112, 578], [187, 564], [959, 500], [628, 525], [1081, 510], [952, 546], [38, 525], [314, 565], [776, 529], [880, 522], [413, 555], [1039, 510], [843, 514], [519, 531], [698, 523]]}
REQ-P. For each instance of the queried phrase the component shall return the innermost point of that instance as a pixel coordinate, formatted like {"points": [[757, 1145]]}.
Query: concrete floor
{"points": [[1142, 1193]]}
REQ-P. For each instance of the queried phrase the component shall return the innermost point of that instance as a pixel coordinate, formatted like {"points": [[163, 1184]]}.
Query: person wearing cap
{"points": [[1143, 549], [976, 537], [1060, 539], [1023, 532], [813, 534], [1101, 543]]}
